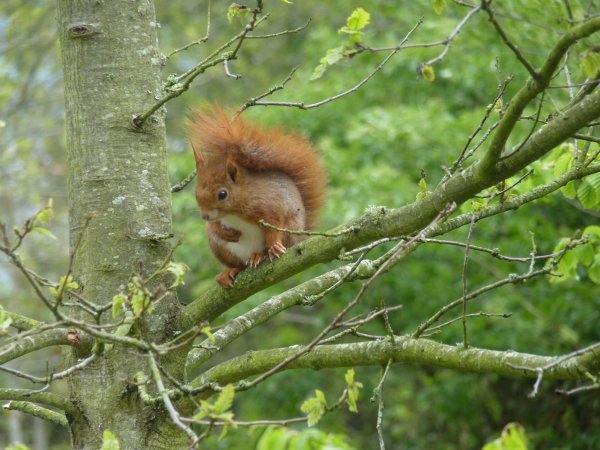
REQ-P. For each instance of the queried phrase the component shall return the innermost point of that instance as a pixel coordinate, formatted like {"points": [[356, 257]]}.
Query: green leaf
{"points": [[421, 195], [321, 396], [43, 217], [275, 438], [209, 334], [5, 321], [179, 270], [593, 231], [428, 72], [587, 195], [563, 163], [592, 188], [17, 446], [439, 6], [569, 190], [237, 10], [314, 407], [64, 285], [110, 441], [232, 12], [203, 411], [318, 72], [138, 303], [476, 205], [332, 56], [594, 269], [349, 377], [567, 264], [218, 410], [512, 438], [355, 22], [44, 231], [117, 303], [590, 63], [224, 400], [358, 20], [585, 254], [353, 390], [566, 268], [226, 427], [140, 300]]}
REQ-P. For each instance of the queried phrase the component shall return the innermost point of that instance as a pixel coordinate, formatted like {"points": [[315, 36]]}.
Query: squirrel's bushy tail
{"points": [[214, 134]]}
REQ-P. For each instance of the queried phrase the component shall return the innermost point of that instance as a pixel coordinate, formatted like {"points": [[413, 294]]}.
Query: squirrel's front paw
{"points": [[227, 277], [276, 250], [225, 233]]}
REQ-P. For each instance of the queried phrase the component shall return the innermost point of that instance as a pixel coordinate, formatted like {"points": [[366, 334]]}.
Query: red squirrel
{"points": [[247, 174]]}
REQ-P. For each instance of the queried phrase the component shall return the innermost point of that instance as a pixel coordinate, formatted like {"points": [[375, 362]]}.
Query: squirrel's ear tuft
{"points": [[197, 155], [232, 171]]}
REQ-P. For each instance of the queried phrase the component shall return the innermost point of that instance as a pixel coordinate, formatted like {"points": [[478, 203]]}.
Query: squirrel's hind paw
{"points": [[227, 277], [276, 250]]}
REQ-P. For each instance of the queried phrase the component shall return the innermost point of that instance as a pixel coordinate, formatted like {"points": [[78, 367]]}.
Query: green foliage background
{"points": [[375, 144]]}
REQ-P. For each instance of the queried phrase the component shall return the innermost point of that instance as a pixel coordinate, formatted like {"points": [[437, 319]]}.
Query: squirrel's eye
{"points": [[222, 195]]}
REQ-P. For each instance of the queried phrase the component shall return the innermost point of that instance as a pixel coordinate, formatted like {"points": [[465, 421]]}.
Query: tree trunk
{"points": [[118, 181]]}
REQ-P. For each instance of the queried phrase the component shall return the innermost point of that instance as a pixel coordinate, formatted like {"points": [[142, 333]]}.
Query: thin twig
{"points": [[228, 73], [494, 252], [583, 137], [178, 85], [485, 4], [533, 128], [456, 164], [506, 189], [450, 38], [199, 41], [183, 183], [167, 401], [276, 88], [579, 389], [378, 391], [464, 282], [304, 106], [351, 229], [281, 33], [542, 370], [438, 328], [511, 279]]}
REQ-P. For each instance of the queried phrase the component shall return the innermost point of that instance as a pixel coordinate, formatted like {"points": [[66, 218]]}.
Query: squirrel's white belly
{"points": [[251, 241]]}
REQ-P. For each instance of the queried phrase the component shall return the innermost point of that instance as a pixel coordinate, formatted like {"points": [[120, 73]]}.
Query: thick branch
{"points": [[22, 323], [406, 350], [28, 344], [38, 411], [296, 296], [532, 88], [301, 294], [44, 398]]}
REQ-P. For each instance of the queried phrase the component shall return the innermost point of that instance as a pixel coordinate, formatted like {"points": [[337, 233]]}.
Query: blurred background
{"points": [[375, 144]]}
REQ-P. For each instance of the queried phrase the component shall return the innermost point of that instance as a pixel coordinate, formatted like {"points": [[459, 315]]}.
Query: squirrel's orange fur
{"points": [[245, 174]]}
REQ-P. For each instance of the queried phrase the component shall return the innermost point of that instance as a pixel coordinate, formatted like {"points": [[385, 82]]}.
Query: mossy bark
{"points": [[118, 181]]}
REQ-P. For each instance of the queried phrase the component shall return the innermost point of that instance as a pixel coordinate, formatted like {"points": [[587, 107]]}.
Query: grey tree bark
{"points": [[118, 182]]}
